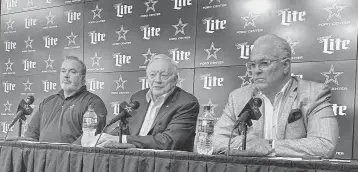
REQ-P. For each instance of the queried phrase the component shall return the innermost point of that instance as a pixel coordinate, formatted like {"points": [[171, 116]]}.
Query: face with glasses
{"points": [[161, 78], [268, 71]]}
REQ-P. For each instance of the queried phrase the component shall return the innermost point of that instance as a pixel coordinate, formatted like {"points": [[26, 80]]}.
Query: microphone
{"points": [[125, 111], [23, 109], [250, 112]]}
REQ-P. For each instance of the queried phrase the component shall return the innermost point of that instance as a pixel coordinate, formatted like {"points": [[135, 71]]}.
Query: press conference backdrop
{"points": [[210, 39]]}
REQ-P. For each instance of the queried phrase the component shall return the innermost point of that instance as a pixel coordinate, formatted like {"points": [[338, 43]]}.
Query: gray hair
{"points": [[276, 45], [83, 66], [165, 57]]}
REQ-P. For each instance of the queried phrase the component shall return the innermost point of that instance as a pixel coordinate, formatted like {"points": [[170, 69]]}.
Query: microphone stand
{"points": [[244, 132], [20, 127], [120, 131]]}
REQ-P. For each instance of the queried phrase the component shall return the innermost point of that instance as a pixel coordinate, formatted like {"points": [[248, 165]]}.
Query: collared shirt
{"points": [[271, 112], [59, 119]]}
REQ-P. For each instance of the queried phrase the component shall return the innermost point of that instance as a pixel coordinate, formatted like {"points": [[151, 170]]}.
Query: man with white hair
{"points": [[297, 117], [166, 117]]}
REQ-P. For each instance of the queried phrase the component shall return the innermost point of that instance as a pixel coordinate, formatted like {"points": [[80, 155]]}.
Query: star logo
{"points": [[212, 51], [246, 79], [128, 108], [95, 60], [120, 82], [97, 12], [9, 65], [180, 80], [7, 106], [49, 62], [27, 85], [30, 2], [28, 42], [335, 10], [49, 18], [212, 106], [150, 5], [148, 56], [211, 1], [10, 24], [331, 76], [292, 44], [71, 39], [250, 19], [179, 28], [122, 34]]}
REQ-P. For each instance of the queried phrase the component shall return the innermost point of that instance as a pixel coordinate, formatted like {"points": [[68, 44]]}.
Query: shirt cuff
{"points": [[124, 138]]}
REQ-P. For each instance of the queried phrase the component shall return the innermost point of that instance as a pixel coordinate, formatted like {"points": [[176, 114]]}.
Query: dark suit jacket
{"points": [[173, 127]]}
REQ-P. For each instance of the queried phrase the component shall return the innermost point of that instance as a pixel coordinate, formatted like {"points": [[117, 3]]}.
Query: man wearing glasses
{"points": [[297, 117], [166, 117]]}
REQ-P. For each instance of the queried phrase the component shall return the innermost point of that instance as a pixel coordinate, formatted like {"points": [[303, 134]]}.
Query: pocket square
{"points": [[294, 115]]}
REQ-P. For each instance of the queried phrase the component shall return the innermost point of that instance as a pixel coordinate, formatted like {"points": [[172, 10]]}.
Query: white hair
{"points": [[165, 57]]}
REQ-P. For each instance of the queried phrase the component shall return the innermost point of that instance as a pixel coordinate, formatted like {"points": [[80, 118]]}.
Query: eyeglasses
{"points": [[261, 64], [163, 75]]}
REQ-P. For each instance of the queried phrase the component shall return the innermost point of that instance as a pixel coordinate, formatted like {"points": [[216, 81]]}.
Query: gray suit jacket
{"points": [[315, 133]]}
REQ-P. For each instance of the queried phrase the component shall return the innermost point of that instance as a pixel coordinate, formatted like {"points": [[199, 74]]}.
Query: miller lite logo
{"points": [[72, 16], [245, 50], [50, 41], [149, 32], [9, 4], [213, 25], [211, 81], [95, 85], [48, 86], [123, 9], [96, 37], [121, 59], [5, 127], [144, 81], [30, 22], [339, 110], [9, 45], [288, 17], [28, 64], [179, 4], [330, 45], [179, 55], [116, 108], [8, 86]]}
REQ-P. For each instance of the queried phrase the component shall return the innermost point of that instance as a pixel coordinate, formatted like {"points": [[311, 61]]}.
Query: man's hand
{"points": [[106, 139], [254, 147]]}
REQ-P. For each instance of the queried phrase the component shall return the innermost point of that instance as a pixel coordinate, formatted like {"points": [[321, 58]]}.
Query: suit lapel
{"points": [[135, 123], [285, 109], [168, 103]]}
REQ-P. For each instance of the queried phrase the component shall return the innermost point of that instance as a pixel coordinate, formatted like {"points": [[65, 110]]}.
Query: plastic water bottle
{"points": [[205, 132], [89, 126]]}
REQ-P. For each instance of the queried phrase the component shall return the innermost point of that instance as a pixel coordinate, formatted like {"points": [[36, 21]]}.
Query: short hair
{"points": [[83, 66], [165, 57], [276, 45]]}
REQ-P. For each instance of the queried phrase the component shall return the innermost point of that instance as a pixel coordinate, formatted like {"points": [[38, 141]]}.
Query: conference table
{"points": [[44, 157]]}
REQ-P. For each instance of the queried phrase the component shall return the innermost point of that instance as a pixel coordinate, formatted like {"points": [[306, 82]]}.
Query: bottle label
{"points": [[206, 126]]}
